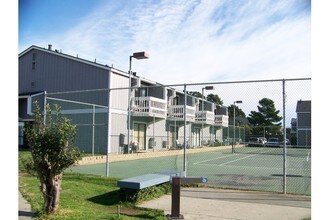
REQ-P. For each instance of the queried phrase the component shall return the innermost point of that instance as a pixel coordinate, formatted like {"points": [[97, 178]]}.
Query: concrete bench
{"points": [[147, 180]]}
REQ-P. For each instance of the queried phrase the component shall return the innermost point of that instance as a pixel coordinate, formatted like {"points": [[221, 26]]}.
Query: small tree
{"points": [[51, 142]]}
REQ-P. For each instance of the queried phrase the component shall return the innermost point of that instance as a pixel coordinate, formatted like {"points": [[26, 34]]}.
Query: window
{"points": [[175, 100], [141, 92], [33, 65], [20, 133]]}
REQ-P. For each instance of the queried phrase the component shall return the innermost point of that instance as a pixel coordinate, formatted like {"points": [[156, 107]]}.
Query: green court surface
{"points": [[250, 168]]}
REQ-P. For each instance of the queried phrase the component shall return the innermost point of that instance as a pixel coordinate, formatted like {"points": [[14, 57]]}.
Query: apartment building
{"points": [[111, 108], [304, 123]]}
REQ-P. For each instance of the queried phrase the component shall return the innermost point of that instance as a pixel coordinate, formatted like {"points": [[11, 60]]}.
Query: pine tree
{"points": [[266, 119]]}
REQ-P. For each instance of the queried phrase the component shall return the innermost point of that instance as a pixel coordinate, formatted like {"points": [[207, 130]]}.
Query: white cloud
{"points": [[197, 41]]}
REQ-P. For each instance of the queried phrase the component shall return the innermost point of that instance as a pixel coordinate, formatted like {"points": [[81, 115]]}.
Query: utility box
{"points": [[121, 140], [152, 143]]}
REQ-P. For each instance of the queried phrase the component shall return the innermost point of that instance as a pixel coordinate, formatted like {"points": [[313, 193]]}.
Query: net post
{"points": [[284, 140], [185, 131]]}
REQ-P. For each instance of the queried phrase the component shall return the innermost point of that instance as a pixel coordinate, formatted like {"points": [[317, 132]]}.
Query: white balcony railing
{"points": [[205, 117], [176, 112], [149, 106], [221, 120]]}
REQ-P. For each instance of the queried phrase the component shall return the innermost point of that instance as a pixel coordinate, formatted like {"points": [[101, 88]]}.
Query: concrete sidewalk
{"points": [[211, 204], [24, 209]]}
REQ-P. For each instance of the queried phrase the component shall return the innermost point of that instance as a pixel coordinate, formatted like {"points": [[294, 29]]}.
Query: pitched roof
{"points": [[304, 106], [59, 53]]}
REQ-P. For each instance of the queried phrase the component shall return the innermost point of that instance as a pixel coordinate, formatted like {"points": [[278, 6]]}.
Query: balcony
{"points": [[204, 117], [221, 120], [149, 106], [176, 113]]}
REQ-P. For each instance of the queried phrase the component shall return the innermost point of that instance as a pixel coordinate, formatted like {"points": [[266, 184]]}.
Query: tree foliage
{"points": [[238, 112], [266, 117], [210, 97], [195, 93], [52, 148], [214, 98]]}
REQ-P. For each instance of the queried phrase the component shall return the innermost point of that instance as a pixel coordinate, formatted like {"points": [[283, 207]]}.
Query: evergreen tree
{"points": [[266, 119], [214, 98]]}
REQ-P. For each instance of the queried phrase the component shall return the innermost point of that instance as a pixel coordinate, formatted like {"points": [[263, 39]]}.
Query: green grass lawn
{"points": [[83, 196]]}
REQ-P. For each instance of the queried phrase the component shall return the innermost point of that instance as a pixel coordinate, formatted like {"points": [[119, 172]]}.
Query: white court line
{"points": [[249, 167], [230, 155], [219, 165], [199, 163]]}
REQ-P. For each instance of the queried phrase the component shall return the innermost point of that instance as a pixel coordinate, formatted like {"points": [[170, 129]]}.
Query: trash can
{"points": [[121, 140], [125, 149], [151, 143]]}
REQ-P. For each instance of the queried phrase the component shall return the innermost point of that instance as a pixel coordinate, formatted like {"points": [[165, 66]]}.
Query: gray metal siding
{"points": [[157, 131], [119, 97], [304, 138], [118, 126], [304, 120], [157, 92], [54, 73]]}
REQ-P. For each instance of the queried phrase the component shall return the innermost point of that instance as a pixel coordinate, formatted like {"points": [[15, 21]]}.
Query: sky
{"points": [[224, 40], [188, 41]]}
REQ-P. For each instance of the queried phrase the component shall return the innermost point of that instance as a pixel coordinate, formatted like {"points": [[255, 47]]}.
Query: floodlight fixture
{"points": [[140, 55]]}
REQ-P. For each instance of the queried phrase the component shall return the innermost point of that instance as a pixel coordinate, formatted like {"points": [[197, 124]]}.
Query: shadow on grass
{"points": [[107, 199], [112, 200]]}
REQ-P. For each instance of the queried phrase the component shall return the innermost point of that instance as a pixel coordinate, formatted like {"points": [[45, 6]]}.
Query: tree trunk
{"points": [[50, 189]]}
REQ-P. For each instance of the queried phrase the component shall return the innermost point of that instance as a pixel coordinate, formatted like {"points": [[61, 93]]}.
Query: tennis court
{"points": [[250, 168]]}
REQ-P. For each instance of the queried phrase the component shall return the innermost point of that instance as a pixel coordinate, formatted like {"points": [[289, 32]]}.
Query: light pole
{"points": [[234, 141], [138, 56], [204, 88]]}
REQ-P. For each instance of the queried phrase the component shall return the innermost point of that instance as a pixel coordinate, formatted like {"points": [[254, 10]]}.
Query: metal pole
{"points": [[45, 109], [185, 130], [109, 128], [233, 149], [153, 135], [93, 130], [108, 144], [129, 105], [202, 142], [284, 141]]}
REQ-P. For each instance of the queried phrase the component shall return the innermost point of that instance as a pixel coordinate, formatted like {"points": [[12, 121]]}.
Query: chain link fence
{"points": [[206, 129]]}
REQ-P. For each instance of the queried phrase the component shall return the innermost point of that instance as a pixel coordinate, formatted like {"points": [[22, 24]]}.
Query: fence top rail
{"points": [[76, 102], [183, 84]]}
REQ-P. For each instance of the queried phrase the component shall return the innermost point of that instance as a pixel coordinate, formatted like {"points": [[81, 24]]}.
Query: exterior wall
{"points": [[158, 132], [26, 105], [304, 123], [118, 126], [304, 138], [54, 73], [304, 129], [46, 70], [157, 92], [304, 120], [119, 97]]}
